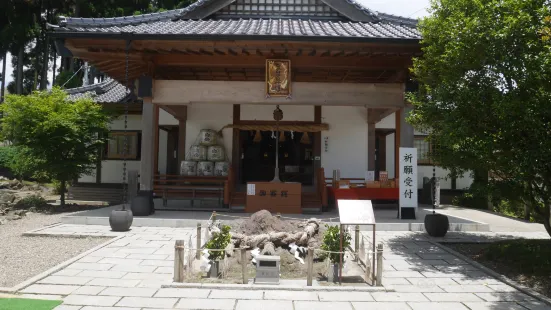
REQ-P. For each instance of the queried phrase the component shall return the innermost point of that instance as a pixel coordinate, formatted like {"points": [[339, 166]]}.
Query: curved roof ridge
{"points": [[397, 19], [129, 20], [87, 88]]}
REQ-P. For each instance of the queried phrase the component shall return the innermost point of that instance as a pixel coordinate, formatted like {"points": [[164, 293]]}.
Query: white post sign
{"points": [[408, 177]]}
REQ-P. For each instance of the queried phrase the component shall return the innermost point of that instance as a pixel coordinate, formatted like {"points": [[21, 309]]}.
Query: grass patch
{"points": [[524, 261], [27, 304]]}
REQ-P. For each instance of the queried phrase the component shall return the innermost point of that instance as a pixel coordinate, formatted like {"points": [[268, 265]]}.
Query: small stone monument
{"points": [[267, 269]]}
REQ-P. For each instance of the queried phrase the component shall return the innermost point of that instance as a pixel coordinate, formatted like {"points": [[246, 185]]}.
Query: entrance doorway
{"points": [[296, 159]]}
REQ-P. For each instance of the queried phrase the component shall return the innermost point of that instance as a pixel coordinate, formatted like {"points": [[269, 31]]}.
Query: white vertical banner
{"points": [[408, 177]]}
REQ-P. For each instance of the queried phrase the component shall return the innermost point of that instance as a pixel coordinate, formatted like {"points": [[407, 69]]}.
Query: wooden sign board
{"points": [[274, 197], [278, 77]]}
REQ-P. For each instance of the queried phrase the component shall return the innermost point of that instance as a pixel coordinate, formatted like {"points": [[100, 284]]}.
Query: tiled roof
{"points": [[108, 91], [201, 9], [263, 27]]}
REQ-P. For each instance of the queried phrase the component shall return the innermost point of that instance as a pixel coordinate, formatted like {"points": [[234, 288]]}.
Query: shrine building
{"points": [[335, 71]]}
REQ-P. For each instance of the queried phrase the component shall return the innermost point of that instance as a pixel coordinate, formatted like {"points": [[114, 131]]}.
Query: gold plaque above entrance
{"points": [[278, 78]]}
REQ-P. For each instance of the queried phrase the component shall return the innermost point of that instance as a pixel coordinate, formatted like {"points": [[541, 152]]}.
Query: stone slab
{"points": [[493, 306], [214, 304], [345, 296], [147, 302], [229, 294], [380, 306], [90, 266], [264, 305], [88, 290], [182, 293], [102, 274], [91, 300], [319, 305], [437, 306], [512, 296], [291, 295], [129, 291], [459, 297], [50, 289], [114, 282], [134, 268], [66, 280], [67, 307], [391, 296], [466, 288]]}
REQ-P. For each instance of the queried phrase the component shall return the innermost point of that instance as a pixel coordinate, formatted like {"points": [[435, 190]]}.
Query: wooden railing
{"points": [[194, 187]]}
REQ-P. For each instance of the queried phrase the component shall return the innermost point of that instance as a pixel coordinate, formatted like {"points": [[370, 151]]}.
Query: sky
{"points": [[406, 8]]}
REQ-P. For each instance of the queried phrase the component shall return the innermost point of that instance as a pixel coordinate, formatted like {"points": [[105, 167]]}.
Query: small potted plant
{"points": [[332, 243], [219, 240]]}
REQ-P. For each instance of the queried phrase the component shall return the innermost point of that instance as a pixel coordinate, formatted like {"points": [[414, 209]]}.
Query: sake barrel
{"points": [[205, 168], [216, 153], [221, 168], [198, 153], [188, 167], [207, 137]]}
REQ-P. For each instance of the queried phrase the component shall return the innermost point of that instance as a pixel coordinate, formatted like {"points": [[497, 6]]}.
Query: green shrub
{"points": [[332, 243], [219, 240], [7, 156], [33, 201]]}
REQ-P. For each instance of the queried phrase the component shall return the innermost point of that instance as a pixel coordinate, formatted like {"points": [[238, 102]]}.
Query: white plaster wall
{"points": [[390, 156], [388, 122], [464, 181], [442, 174], [163, 140], [266, 112], [347, 135], [166, 118], [209, 116]]}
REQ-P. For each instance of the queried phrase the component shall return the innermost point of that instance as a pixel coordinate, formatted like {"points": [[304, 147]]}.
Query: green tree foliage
{"points": [[60, 137], [64, 76], [18, 161], [485, 93], [219, 240], [332, 243]]}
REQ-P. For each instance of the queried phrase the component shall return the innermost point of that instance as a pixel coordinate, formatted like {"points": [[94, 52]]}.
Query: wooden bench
{"points": [[189, 187]]}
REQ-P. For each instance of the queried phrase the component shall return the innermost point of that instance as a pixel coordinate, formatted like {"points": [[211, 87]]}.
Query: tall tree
{"points": [[485, 91], [60, 137]]}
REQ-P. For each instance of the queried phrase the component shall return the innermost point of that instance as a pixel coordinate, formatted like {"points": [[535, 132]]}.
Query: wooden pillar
{"points": [[407, 133], [236, 146], [397, 144], [182, 123], [317, 144], [150, 144], [371, 146]]}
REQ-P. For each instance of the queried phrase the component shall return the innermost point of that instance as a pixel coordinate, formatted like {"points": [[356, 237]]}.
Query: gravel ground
{"points": [[24, 257]]}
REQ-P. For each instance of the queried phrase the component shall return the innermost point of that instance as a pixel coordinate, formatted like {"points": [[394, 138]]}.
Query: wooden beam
{"points": [[391, 63], [178, 111]]}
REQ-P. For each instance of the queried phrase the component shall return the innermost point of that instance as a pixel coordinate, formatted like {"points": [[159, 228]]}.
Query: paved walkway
{"points": [[128, 274], [497, 222]]}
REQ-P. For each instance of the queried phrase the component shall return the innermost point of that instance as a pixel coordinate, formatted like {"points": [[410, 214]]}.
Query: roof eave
{"points": [[194, 37]]}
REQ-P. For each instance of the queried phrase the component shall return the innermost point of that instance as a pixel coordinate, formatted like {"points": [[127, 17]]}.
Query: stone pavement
{"points": [[130, 272]]}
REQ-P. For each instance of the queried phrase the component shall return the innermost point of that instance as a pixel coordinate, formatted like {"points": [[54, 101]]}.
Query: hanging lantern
{"points": [[257, 137], [282, 136], [278, 114], [305, 139]]}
